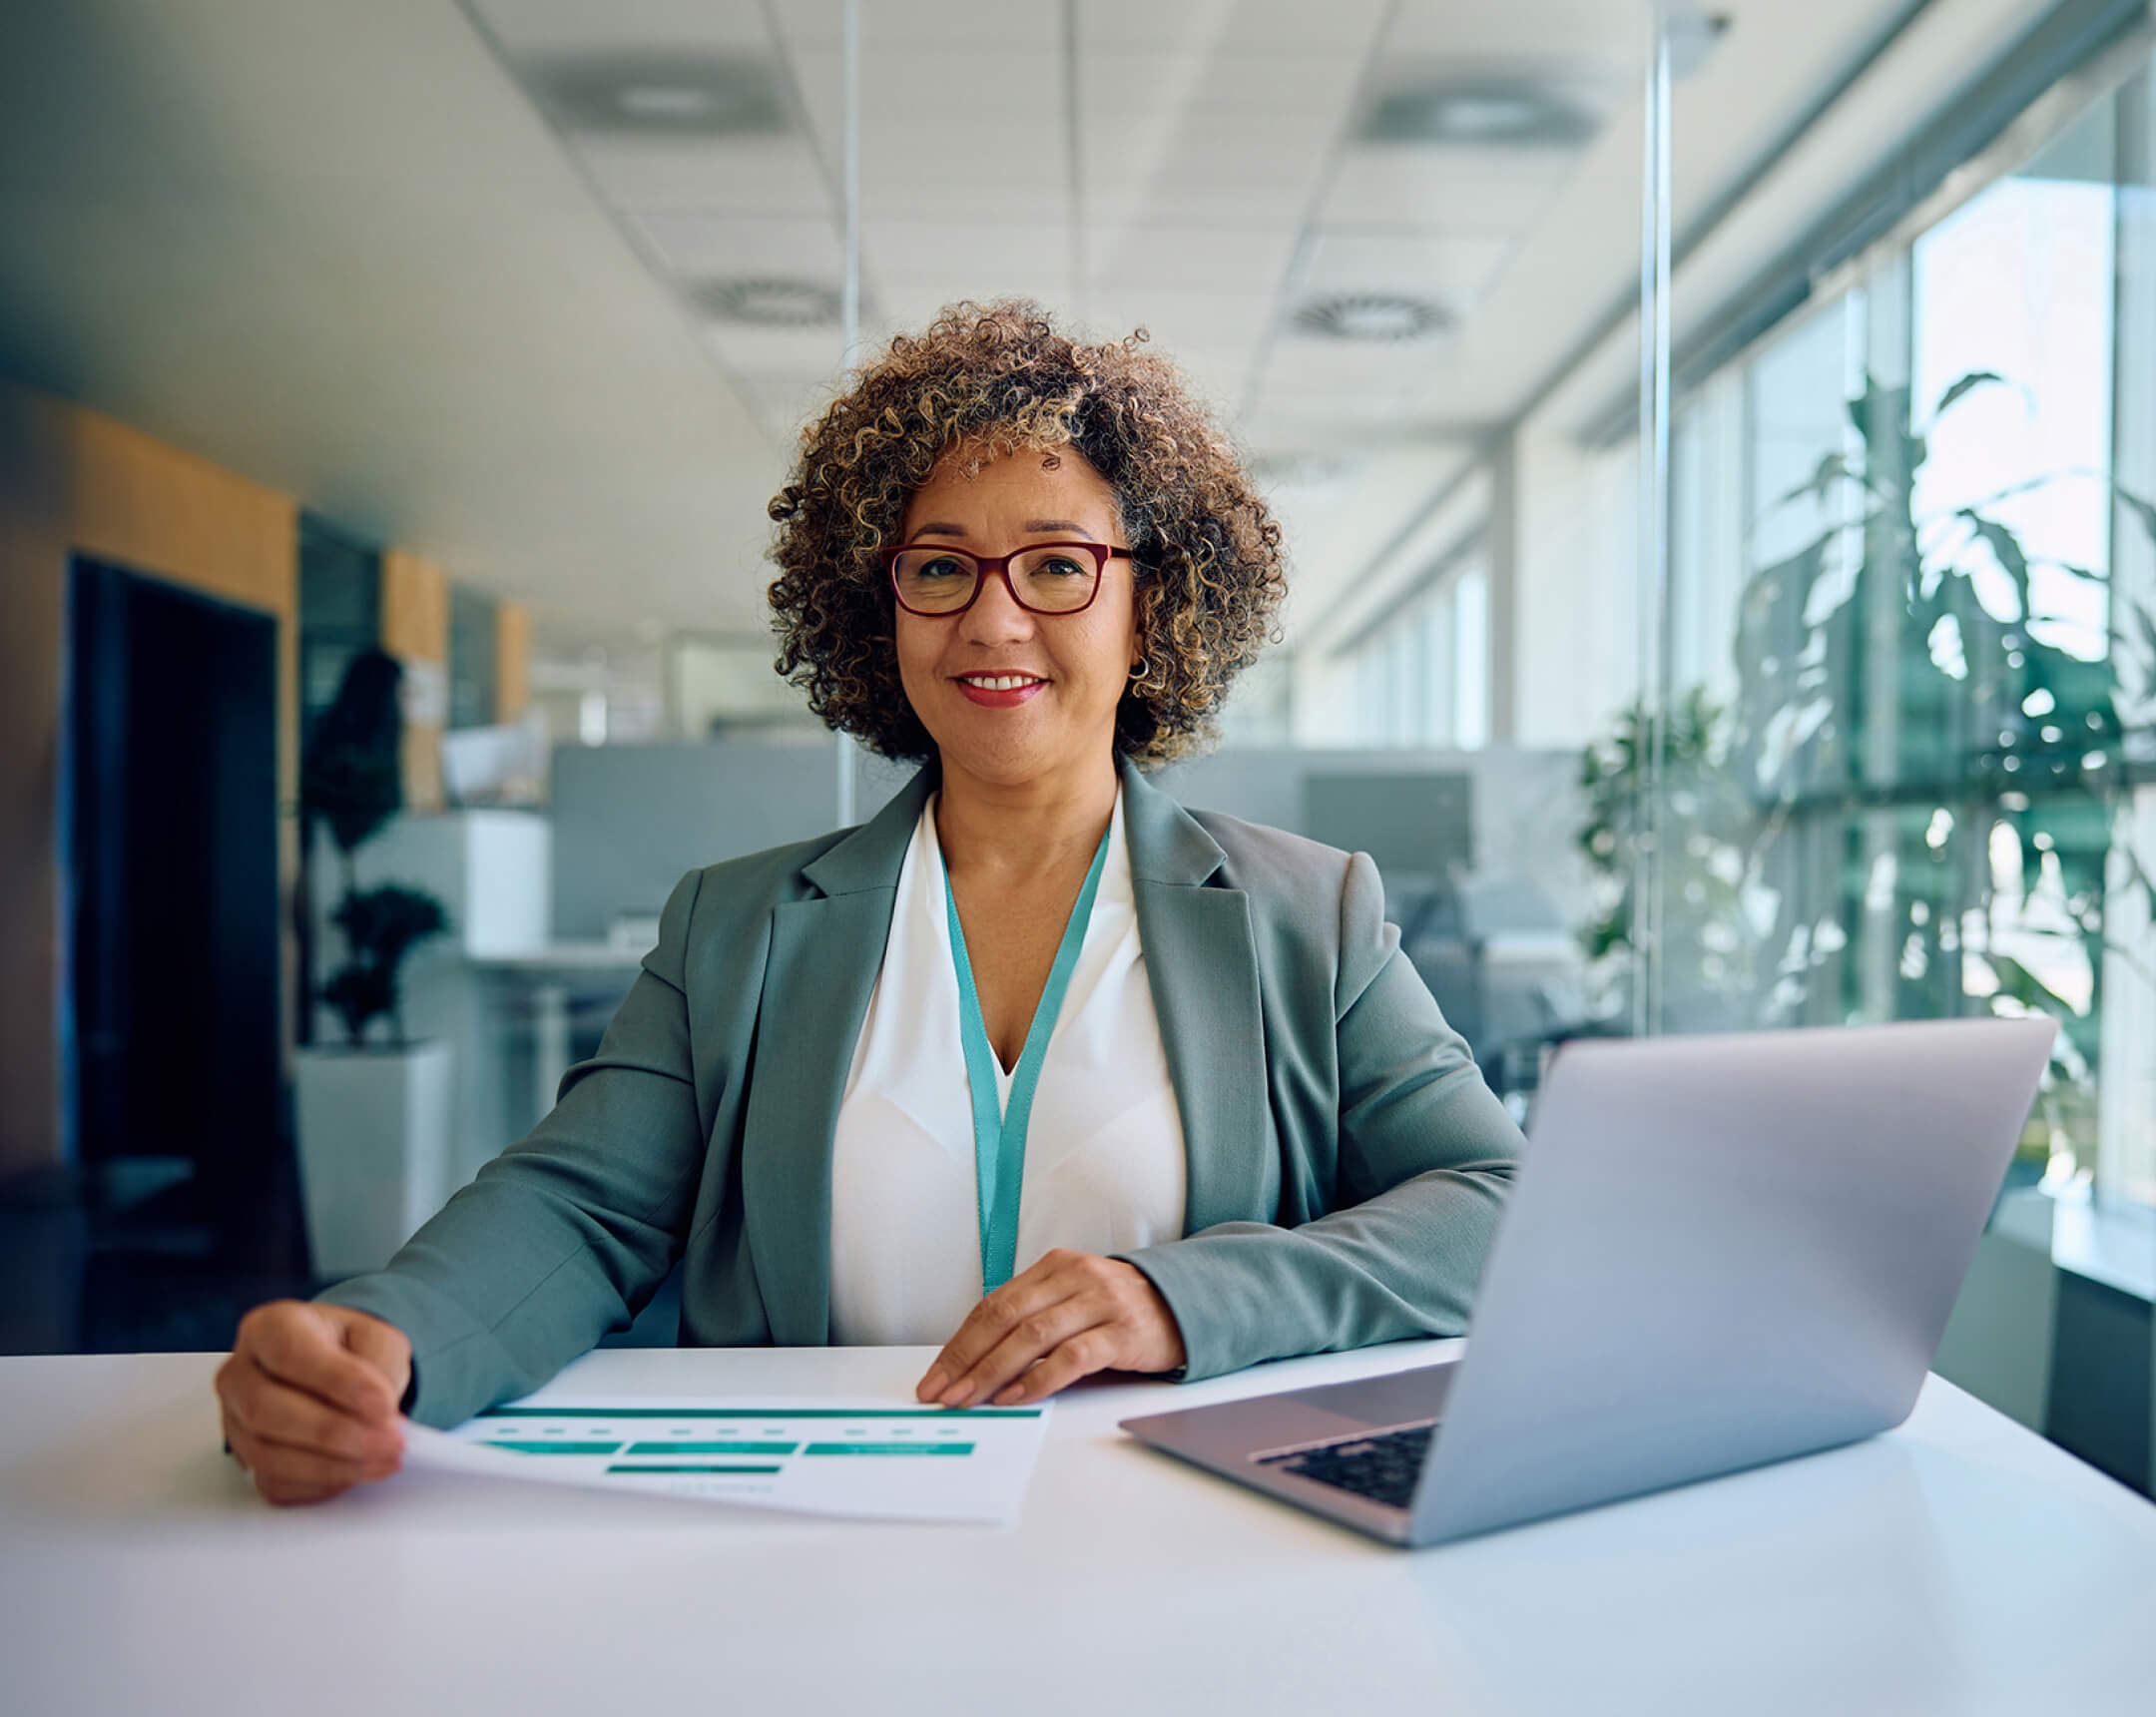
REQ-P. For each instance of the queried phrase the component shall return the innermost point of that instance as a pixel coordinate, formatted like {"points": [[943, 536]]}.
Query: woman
{"points": [[1034, 1065]]}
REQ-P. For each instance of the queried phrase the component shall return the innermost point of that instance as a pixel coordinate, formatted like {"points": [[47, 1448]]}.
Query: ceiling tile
{"points": [[1476, 189], [1362, 370], [1453, 268], [693, 244], [791, 401], [564, 26], [1231, 28], [1246, 183], [751, 351], [956, 249], [1137, 255], [1128, 27], [1611, 31], [1219, 374], [761, 176], [892, 27], [1112, 88], [907, 307], [1177, 318]]}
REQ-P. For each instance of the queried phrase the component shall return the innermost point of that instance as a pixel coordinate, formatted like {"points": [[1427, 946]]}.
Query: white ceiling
{"points": [[340, 249]]}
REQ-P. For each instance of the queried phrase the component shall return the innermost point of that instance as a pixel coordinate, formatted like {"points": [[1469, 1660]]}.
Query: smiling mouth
{"points": [[999, 681]]}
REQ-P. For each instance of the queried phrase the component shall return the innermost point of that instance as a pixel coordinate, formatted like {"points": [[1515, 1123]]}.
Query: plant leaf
{"points": [[2008, 547], [2016, 980], [1834, 465], [1967, 385], [2143, 510]]}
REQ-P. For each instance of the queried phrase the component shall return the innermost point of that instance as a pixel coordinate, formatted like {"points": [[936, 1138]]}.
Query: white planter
{"points": [[374, 1149]]}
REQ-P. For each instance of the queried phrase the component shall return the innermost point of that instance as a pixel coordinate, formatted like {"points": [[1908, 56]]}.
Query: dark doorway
{"points": [[170, 865]]}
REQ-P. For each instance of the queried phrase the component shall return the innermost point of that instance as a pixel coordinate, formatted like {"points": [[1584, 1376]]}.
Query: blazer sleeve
{"points": [[566, 1235], [1426, 1152]]}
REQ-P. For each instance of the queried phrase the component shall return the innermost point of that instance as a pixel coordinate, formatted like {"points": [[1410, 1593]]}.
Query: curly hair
{"points": [[996, 379]]}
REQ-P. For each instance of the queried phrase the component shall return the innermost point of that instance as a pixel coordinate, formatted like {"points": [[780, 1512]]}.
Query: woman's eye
{"points": [[1059, 566], [941, 567]]}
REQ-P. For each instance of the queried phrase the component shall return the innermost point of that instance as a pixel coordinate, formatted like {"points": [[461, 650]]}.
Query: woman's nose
{"points": [[995, 614]]}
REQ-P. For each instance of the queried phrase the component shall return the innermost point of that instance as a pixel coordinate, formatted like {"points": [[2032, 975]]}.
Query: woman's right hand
{"points": [[310, 1397]]}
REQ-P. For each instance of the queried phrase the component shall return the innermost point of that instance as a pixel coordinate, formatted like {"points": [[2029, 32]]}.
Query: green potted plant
{"points": [[374, 1112]]}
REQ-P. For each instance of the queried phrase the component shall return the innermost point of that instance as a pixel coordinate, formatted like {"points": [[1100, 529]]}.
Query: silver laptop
{"points": [[1719, 1252]]}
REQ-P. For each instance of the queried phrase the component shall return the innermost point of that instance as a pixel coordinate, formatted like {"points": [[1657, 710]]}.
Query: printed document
{"points": [[868, 1458]]}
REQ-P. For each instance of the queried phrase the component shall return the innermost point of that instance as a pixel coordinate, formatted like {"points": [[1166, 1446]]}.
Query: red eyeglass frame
{"points": [[1000, 565]]}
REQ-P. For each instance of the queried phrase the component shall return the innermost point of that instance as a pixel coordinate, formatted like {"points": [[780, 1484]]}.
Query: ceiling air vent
{"points": [[1375, 317], [662, 95], [1496, 115], [768, 302]]}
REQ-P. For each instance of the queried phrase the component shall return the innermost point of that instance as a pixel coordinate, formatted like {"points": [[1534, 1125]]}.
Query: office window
{"points": [[339, 611], [473, 673], [1420, 674], [1914, 664]]}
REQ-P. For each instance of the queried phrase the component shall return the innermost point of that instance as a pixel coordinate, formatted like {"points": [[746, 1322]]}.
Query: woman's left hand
{"points": [[1069, 1315]]}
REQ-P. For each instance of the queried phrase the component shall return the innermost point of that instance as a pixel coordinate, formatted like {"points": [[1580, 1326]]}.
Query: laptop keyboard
{"points": [[1383, 1467]]}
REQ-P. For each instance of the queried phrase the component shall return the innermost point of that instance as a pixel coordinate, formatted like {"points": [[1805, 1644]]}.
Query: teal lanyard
{"points": [[999, 1130]]}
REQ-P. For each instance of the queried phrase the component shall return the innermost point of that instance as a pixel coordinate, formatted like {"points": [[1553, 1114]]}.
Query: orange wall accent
{"points": [[415, 630], [512, 659], [414, 608]]}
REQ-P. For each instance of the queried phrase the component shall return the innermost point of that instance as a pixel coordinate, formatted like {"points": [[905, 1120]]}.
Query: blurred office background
{"points": [[1791, 662]]}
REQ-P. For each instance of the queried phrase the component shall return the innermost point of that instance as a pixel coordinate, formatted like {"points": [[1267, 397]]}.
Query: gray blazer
{"points": [[1346, 1163]]}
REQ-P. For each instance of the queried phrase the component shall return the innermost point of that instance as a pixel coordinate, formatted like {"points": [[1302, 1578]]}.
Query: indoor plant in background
{"points": [[1912, 807], [374, 1112]]}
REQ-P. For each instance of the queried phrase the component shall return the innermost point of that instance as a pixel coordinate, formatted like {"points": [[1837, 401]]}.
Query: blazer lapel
{"points": [[825, 953], [1201, 967]]}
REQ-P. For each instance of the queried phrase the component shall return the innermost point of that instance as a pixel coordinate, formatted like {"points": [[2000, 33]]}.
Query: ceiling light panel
{"points": [[776, 302], [666, 94], [1380, 319], [1482, 112]]}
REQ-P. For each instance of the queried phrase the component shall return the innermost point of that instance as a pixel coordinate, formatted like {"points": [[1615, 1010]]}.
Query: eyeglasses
{"points": [[1044, 577]]}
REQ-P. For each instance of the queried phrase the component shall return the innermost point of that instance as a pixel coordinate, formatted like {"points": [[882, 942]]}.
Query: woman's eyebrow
{"points": [[940, 529]]}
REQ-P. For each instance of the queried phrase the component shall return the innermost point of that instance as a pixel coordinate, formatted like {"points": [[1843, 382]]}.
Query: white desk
{"points": [[1959, 1565]]}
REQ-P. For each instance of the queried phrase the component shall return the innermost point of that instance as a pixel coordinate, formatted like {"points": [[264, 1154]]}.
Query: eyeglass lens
{"points": [[1053, 579]]}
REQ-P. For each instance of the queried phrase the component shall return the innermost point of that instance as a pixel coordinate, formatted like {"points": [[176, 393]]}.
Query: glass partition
{"points": [[1906, 741]]}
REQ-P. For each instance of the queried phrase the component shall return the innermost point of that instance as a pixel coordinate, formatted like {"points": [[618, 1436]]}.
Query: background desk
{"points": [[1959, 1565]]}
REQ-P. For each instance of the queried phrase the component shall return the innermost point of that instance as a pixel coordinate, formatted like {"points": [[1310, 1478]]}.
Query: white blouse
{"points": [[1104, 1167]]}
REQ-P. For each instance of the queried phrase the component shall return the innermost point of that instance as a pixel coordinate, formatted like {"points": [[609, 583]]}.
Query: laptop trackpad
{"points": [[1402, 1398]]}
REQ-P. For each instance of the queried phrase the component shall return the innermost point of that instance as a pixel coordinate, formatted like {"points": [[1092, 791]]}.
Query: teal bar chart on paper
{"points": [[869, 1459]]}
